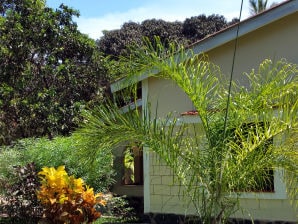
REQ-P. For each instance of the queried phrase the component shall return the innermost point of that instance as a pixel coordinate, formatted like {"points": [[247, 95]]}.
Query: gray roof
{"points": [[224, 36]]}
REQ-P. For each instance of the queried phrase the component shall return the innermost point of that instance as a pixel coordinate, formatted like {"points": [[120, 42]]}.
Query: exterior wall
{"points": [[274, 41], [167, 97], [166, 197], [164, 193], [252, 49]]}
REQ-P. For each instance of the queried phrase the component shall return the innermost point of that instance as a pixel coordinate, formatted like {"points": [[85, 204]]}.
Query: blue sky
{"points": [[99, 15]]}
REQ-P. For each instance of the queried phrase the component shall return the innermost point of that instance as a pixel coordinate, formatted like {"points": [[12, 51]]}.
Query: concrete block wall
{"points": [[166, 198]]}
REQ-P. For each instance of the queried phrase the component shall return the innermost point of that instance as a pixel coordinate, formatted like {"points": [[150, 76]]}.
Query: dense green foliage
{"points": [[229, 151], [97, 173], [48, 70], [116, 43]]}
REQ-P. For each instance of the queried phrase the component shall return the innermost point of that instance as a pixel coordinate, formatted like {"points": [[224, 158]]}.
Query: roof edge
{"points": [[246, 26]]}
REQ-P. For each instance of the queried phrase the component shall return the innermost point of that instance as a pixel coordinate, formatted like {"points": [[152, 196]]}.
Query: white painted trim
{"points": [[125, 82], [279, 189], [146, 161], [131, 106], [146, 156]]}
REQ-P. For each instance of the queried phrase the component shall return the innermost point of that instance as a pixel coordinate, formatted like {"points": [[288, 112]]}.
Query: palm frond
{"points": [[210, 165]]}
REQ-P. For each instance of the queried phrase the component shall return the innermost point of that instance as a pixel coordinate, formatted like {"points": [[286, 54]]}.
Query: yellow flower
{"points": [[54, 178], [58, 190], [88, 195], [62, 198], [78, 185]]}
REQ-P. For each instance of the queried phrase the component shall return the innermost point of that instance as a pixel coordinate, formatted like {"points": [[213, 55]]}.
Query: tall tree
{"points": [[166, 31], [198, 27], [116, 43], [257, 6], [48, 70], [228, 152]]}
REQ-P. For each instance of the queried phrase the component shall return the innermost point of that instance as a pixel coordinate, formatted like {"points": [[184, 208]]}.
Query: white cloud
{"points": [[94, 26]]}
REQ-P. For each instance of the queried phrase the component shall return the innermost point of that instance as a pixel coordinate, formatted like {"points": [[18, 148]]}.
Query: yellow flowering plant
{"points": [[67, 199]]}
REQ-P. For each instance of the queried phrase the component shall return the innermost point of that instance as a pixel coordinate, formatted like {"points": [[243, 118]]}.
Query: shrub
{"points": [[66, 199], [97, 173], [9, 159], [21, 200], [120, 208]]}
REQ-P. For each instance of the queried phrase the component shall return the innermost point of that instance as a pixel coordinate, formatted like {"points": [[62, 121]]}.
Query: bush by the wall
{"points": [[97, 173]]}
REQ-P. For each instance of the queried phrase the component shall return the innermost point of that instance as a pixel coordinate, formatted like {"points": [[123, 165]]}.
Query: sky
{"points": [[99, 15]]}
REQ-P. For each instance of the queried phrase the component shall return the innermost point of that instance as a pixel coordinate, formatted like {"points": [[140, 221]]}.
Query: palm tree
{"points": [[232, 143], [257, 6]]}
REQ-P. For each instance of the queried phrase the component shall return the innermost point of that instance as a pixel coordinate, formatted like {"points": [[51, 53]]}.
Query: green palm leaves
{"points": [[257, 6], [212, 165]]}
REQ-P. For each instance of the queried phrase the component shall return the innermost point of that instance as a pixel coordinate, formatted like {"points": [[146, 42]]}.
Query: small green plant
{"points": [[9, 159], [118, 210], [66, 150]]}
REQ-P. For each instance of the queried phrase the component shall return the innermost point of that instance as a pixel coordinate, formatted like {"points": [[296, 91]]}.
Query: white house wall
{"points": [[274, 41], [165, 97]]}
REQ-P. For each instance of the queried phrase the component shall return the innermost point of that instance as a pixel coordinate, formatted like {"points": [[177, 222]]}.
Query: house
{"points": [[272, 34]]}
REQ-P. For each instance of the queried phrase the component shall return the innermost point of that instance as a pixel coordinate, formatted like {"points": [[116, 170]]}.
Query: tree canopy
{"points": [[116, 43], [48, 70]]}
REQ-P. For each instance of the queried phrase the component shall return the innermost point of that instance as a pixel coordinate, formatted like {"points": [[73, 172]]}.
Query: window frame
{"points": [[279, 186]]}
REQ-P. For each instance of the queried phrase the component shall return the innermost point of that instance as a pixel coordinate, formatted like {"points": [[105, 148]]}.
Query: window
{"points": [[127, 96]]}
